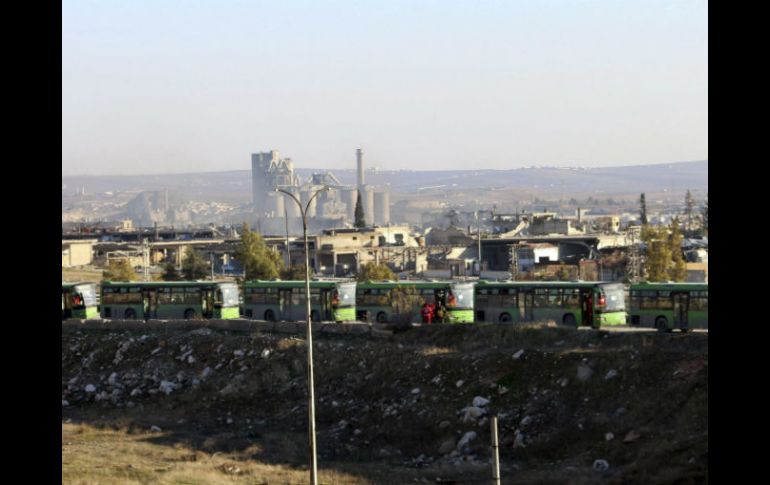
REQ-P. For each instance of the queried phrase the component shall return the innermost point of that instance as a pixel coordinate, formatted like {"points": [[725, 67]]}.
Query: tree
{"points": [[170, 273], [294, 273], [643, 209], [360, 222], [119, 270], [678, 270], [658, 258], [375, 272], [259, 262], [689, 206], [194, 267]]}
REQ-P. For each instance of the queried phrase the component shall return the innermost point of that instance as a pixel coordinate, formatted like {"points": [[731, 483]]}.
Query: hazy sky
{"points": [[173, 86]]}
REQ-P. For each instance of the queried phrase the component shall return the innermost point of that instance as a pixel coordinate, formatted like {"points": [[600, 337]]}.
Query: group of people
{"points": [[437, 312]]}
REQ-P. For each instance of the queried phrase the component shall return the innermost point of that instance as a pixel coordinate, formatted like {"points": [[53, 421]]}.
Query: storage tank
{"points": [[349, 197], [304, 196], [381, 208], [275, 204], [367, 197]]}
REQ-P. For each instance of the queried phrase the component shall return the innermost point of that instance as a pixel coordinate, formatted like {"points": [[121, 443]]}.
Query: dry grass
{"points": [[105, 456], [81, 274]]}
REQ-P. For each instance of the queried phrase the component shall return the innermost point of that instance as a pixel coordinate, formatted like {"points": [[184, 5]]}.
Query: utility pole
{"points": [[211, 259], [478, 233], [146, 259], [310, 393], [288, 250]]}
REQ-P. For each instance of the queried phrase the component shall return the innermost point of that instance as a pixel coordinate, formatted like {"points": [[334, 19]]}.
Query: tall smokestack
{"points": [[360, 166]]}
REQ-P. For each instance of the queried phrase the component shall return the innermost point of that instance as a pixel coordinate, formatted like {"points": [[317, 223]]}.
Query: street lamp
{"points": [[310, 392]]}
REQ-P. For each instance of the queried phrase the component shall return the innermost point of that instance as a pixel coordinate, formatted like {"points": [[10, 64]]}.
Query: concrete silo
{"points": [[381, 208]]}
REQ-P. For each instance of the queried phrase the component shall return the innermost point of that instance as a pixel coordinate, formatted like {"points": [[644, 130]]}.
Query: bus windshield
{"points": [[614, 297], [463, 293], [346, 295], [88, 293], [229, 295]]}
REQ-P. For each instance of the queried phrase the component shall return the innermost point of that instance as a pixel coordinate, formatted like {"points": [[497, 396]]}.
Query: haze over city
{"points": [[165, 87]]}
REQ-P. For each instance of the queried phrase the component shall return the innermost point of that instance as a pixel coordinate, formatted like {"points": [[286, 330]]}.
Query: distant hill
{"points": [[236, 185]]}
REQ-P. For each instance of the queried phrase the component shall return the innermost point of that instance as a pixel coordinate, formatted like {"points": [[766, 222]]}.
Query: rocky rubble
{"points": [[412, 400]]}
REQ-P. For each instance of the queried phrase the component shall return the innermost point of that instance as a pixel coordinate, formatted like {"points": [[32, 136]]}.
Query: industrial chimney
{"points": [[360, 166]]}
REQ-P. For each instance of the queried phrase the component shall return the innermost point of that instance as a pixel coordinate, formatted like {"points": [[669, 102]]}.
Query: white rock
{"points": [[609, 436], [190, 359], [518, 440], [518, 354], [167, 387], [467, 438], [113, 379], [447, 446], [64, 403], [459, 383], [472, 412], [229, 420], [601, 465], [265, 353], [155, 428], [563, 382], [611, 374], [206, 372], [90, 388], [525, 420], [238, 353], [416, 390], [480, 402]]}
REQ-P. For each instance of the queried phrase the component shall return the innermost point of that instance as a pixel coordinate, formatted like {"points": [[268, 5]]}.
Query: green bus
{"points": [[374, 300], [581, 303], [169, 300], [285, 300], [78, 300], [666, 306]]}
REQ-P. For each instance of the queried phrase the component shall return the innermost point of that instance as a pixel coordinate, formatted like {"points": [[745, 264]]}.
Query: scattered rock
{"points": [[447, 446], [466, 439], [631, 436], [90, 388], [518, 354], [584, 372], [155, 428], [416, 390], [611, 374], [472, 412], [601, 465], [502, 390], [444, 425], [563, 382], [518, 439], [459, 383], [265, 353], [167, 387], [525, 421], [64, 403], [609, 436], [238, 353]]}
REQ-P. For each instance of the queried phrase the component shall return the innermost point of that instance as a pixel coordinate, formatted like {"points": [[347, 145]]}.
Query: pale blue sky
{"points": [[175, 86]]}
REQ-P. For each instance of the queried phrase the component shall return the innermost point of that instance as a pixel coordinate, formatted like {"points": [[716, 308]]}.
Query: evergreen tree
{"points": [[643, 209], [259, 261], [170, 273], [119, 270], [194, 267], [294, 273], [658, 258], [359, 223], [689, 206]]}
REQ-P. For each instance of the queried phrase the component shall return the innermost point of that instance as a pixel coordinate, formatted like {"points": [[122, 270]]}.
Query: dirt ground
{"points": [[574, 406]]}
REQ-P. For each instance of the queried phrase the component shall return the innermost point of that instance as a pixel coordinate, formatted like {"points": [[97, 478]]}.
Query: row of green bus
{"points": [[664, 306]]}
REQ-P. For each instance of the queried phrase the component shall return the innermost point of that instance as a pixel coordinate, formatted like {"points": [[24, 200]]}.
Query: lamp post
{"points": [[310, 393]]}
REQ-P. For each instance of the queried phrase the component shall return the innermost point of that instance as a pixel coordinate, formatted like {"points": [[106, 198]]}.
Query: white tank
{"points": [[381, 208], [367, 197], [292, 209], [304, 196], [349, 198], [275, 204]]}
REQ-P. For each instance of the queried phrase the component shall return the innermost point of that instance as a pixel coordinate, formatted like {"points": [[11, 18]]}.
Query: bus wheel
{"points": [[382, 317], [569, 320], [189, 314], [505, 317], [130, 314], [270, 316], [661, 323], [314, 316]]}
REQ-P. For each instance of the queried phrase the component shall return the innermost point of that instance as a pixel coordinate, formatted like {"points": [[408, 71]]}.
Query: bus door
{"points": [[66, 310], [325, 298], [526, 305], [208, 301], [681, 308], [587, 307], [150, 303], [284, 304]]}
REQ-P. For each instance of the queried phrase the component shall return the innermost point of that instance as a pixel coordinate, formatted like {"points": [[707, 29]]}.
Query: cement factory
{"points": [[334, 208]]}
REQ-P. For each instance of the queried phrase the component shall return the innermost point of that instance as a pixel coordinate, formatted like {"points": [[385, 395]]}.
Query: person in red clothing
{"points": [[428, 310]]}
